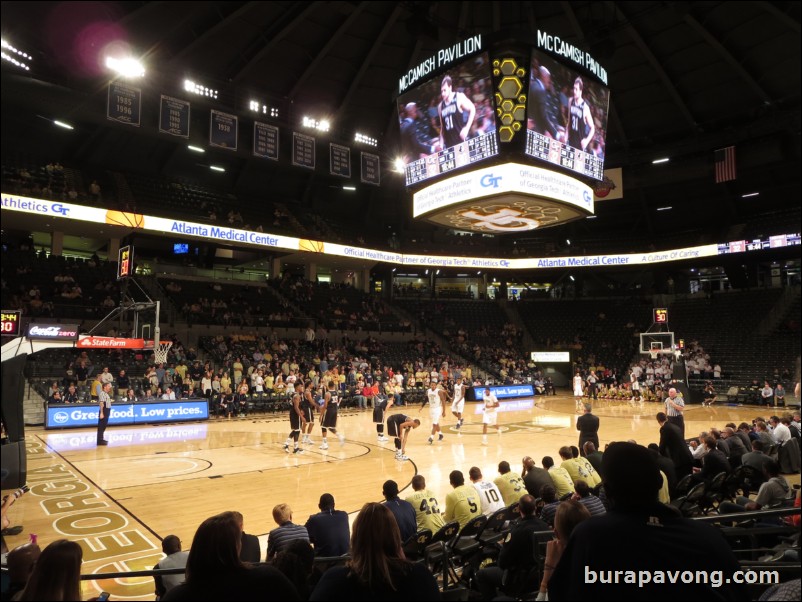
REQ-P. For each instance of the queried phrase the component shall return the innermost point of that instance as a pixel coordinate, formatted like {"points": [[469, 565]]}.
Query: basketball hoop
{"points": [[161, 350], [654, 353]]}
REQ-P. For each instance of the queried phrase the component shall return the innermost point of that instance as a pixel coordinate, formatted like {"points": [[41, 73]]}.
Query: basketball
{"points": [[315, 246], [124, 218]]}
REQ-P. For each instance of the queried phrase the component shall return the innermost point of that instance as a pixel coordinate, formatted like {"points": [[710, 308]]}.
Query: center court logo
{"points": [[503, 220]]}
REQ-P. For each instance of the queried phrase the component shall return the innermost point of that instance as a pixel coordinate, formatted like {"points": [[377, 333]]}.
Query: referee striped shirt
{"points": [[671, 411]]}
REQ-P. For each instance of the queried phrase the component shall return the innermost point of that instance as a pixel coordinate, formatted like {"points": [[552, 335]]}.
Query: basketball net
{"points": [[161, 350], [654, 353]]}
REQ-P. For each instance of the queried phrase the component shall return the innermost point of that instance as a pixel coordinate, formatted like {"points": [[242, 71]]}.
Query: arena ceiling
{"points": [[686, 78]]}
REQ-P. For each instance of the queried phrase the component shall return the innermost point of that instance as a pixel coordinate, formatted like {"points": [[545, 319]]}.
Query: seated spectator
{"points": [[20, 562], [516, 555], [56, 575], [377, 569], [715, 462], [584, 496], [249, 550], [570, 514], [297, 562], [594, 456], [175, 559], [280, 538], [215, 571], [328, 530], [535, 478], [551, 503], [402, 510], [635, 524], [773, 493]]}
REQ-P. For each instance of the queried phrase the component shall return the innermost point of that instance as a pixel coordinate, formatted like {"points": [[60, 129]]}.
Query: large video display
{"points": [[449, 121], [566, 117]]}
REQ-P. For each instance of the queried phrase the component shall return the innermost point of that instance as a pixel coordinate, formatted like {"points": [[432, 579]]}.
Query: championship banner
{"points": [[223, 130], [371, 169], [124, 104], [174, 116], [303, 150], [339, 160], [265, 141]]}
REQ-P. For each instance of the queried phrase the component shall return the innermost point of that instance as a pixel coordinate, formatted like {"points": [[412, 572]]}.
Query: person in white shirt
{"points": [[779, 431], [105, 376], [458, 405], [169, 394], [437, 410], [175, 559], [489, 493], [490, 413]]}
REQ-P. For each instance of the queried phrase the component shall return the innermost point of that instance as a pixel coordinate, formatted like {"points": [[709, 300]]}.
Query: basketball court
{"points": [[119, 501]]}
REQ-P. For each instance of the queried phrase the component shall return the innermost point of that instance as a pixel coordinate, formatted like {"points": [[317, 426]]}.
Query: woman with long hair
{"points": [[57, 573], [215, 572], [378, 569]]}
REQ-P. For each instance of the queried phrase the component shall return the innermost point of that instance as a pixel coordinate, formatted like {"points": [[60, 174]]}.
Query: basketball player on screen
{"points": [[454, 126], [580, 122]]}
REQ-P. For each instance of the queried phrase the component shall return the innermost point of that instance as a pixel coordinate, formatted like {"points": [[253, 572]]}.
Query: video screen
{"points": [[566, 117], [180, 248], [449, 121]]}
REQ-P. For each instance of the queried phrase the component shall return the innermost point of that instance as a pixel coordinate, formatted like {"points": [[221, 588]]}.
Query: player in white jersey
{"points": [[579, 390], [490, 413], [437, 410], [489, 493], [458, 405]]}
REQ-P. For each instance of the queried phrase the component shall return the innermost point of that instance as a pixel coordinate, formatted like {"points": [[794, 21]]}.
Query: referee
{"points": [[104, 399], [675, 408]]}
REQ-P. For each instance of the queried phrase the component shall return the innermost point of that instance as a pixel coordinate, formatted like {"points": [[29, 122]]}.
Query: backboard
{"points": [[661, 340]]}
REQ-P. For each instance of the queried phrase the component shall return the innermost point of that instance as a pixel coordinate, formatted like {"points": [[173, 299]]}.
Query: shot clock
{"points": [[11, 320]]}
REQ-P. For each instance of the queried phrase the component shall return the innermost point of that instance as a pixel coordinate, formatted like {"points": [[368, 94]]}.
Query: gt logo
{"points": [[503, 220], [490, 181]]}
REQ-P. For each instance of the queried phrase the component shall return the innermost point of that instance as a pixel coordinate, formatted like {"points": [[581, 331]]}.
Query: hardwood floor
{"points": [[119, 501]]}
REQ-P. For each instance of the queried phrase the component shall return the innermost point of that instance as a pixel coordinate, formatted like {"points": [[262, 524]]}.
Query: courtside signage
{"points": [[67, 416], [551, 357]]}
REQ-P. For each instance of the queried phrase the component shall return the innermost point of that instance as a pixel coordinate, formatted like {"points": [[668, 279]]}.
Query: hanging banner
{"points": [[339, 160], [223, 130], [265, 141], [303, 150], [174, 116], [124, 103]]}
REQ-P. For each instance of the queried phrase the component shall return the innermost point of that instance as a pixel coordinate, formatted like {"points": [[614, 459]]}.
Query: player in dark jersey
{"points": [[580, 126], [381, 403], [398, 426], [328, 415], [308, 410], [454, 126], [297, 421]]}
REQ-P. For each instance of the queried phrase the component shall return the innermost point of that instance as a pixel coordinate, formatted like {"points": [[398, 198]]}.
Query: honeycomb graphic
{"points": [[510, 97]]}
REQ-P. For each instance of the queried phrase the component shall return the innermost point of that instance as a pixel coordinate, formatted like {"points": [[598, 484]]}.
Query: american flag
{"points": [[724, 159]]}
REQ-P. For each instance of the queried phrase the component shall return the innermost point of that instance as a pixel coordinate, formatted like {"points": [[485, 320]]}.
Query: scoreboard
{"points": [[469, 151], [11, 321]]}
